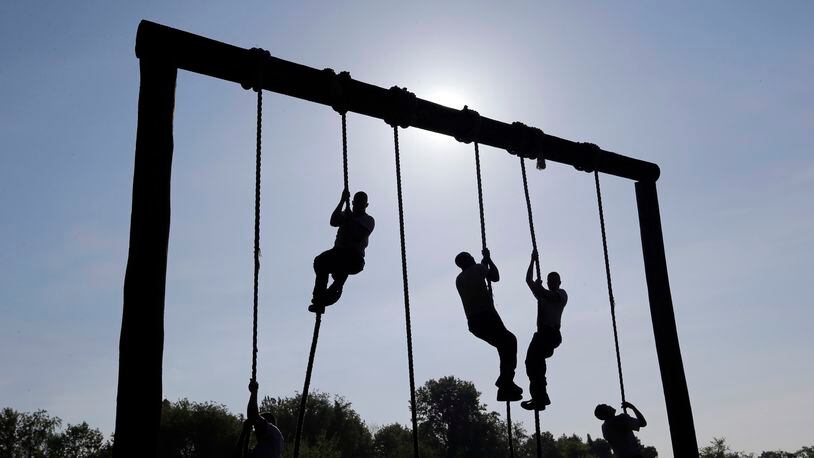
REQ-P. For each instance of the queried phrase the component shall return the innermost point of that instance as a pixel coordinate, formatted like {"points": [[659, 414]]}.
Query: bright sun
{"points": [[448, 97]]}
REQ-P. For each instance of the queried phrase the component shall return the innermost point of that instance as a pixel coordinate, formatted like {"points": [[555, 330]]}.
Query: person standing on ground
{"points": [[618, 429], [269, 437]]}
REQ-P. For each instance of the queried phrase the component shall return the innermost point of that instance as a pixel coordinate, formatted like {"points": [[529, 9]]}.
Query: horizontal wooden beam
{"points": [[202, 55]]}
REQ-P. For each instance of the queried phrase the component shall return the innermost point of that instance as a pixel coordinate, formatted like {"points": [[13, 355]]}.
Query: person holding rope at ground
{"points": [[269, 438], [618, 429], [347, 257], [484, 321], [550, 304]]}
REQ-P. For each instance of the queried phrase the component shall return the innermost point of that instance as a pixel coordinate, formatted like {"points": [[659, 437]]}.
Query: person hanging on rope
{"points": [[484, 321], [269, 437], [550, 304], [618, 429], [347, 257]]}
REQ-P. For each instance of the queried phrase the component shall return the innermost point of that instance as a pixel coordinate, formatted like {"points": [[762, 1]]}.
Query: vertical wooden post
{"points": [[141, 345], [674, 383]]}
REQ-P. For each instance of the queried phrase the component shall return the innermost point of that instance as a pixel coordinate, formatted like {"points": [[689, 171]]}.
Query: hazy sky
{"points": [[718, 94]]}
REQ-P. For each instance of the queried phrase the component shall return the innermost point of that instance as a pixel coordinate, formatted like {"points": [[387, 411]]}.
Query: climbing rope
{"points": [[610, 286], [489, 282], [345, 150], [509, 427], [242, 447], [255, 84], [402, 113], [407, 321], [482, 213], [531, 218], [480, 202], [306, 385], [318, 320], [257, 163], [537, 268]]}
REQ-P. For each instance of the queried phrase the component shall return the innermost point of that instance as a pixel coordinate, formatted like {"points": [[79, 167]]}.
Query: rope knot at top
{"points": [[527, 142], [469, 128], [402, 107], [256, 65], [593, 156], [337, 89]]}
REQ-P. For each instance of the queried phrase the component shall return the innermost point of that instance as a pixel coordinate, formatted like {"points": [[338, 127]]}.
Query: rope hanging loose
{"points": [[407, 321], [537, 268], [610, 285], [489, 282]]}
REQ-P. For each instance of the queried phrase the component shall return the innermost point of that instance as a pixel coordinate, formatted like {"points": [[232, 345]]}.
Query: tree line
{"points": [[452, 422]]}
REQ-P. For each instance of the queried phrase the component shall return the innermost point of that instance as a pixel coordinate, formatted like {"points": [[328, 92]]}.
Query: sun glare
{"points": [[447, 97]]}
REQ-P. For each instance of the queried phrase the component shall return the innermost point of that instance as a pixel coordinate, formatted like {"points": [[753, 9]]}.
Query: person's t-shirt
{"points": [[618, 431], [550, 305], [354, 231], [471, 284], [269, 441]]}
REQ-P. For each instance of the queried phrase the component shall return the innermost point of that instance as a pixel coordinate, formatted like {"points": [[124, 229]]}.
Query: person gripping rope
{"points": [[484, 321], [269, 438], [618, 429], [550, 305], [347, 257]]}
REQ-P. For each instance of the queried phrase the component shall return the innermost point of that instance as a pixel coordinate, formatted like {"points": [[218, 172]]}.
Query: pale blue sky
{"points": [[717, 93]]}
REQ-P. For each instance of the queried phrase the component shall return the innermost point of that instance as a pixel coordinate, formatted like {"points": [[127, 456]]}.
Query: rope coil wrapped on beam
{"points": [[470, 126], [527, 142], [593, 157], [402, 107], [337, 89], [258, 58]]}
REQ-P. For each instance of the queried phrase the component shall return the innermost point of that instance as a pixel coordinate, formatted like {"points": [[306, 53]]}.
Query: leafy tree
{"points": [[455, 423], [80, 441], [718, 448], [8, 431], [196, 429], [600, 448], [572, 446], [777, 454], [393, 441], [34, 435], [26, 434], [547, 442], [647, 451], [330, 428]]}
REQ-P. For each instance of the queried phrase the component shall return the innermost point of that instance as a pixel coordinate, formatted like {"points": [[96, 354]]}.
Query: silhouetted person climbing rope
{"points": [[269, 438], [484, 321], [618, 429], [347, 257], [550, 304]]}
